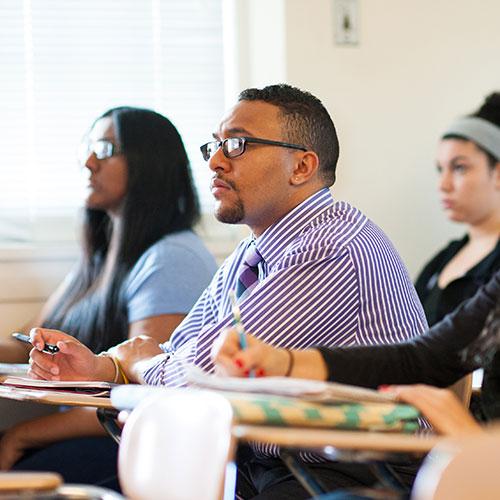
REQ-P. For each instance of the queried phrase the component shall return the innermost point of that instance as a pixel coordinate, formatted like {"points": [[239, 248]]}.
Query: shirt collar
{"points": [[279, 235]]}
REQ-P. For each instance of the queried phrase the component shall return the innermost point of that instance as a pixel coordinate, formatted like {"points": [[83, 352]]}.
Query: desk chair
{"points": [[175, 445], [461, 470]]}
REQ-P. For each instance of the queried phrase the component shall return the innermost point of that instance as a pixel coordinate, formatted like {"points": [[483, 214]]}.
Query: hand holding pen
{"points": [[48, 348], [238, 325], [72, 360]]}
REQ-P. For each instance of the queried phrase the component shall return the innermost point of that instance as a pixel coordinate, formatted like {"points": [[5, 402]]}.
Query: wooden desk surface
{"points": [[28, 482], [292, 437], [348, 440]]}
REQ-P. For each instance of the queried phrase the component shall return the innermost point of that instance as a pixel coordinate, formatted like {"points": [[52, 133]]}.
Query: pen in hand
{"points": [[48, 348], [238, 325]]}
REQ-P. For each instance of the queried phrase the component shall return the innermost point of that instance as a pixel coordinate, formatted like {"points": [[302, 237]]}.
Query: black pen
{"points": [[49, 348]]}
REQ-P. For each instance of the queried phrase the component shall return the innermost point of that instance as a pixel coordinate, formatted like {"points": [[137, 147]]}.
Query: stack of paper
{"points": [[309, 390]]}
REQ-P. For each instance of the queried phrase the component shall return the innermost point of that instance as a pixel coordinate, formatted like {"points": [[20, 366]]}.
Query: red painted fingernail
{"points": [[246, 373], [260, 372], [238, 363], [384, 387]]}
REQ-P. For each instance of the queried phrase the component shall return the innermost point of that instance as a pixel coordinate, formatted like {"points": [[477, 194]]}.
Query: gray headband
{"points": [[482, 132]]}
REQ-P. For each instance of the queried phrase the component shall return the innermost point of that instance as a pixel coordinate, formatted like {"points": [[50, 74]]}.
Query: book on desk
{"points": [[285, 401], [92, 388], [290, 402]]}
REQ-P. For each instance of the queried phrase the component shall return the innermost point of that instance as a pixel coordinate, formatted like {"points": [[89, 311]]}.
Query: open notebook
{"points": [[308, 390], [93, 388]]}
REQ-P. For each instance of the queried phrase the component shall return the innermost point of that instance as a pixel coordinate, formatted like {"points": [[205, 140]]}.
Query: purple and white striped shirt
{"points": [[330, 277]]}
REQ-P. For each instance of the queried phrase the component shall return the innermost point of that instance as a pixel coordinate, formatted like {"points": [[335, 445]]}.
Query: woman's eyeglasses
{"points": [[102, 149]]}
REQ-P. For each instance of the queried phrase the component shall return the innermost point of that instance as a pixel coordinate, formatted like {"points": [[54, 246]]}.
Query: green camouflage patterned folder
{"points": [[281, 411]]}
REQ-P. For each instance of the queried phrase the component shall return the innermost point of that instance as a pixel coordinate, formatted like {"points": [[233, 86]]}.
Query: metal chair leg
{"points": [[302, 473], [107, 418]]}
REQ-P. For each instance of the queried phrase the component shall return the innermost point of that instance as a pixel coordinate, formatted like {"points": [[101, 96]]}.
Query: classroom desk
{"points": [[364, 446], [292, 437]]}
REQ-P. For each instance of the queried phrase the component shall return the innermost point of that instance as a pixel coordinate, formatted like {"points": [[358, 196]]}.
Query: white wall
{"points": [[29, 275], [418, 65]]}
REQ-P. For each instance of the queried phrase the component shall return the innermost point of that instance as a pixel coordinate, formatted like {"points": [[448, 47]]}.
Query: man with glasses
{"points": [[313, 272]]}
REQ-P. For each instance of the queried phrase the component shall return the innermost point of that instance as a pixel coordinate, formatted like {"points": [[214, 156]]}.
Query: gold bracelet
{"points": [[121, 370], [115, 364], [290, 362]]}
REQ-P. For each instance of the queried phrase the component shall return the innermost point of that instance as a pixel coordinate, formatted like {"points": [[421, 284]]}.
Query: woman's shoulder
{"points": [[437, 262], [483, 270], [178, 247], [169, 277]]}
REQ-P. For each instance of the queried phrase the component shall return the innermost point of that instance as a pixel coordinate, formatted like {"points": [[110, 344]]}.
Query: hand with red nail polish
{"points": [[262, 358]]}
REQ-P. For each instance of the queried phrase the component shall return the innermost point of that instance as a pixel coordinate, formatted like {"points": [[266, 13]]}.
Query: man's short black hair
{"points": [[305, 122]]}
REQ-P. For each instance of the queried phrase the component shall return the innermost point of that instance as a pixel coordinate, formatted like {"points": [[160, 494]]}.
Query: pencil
{"points": [[238, 324]]}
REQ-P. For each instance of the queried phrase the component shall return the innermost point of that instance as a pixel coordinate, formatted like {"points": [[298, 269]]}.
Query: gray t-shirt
{"points": [[169, 277]]}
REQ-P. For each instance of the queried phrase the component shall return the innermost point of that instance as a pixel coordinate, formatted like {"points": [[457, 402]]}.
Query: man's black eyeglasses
{"points": [[236, 146]]}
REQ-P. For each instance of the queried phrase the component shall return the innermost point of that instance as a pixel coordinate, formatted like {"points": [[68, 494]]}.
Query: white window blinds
{"points": [[64, 62]]}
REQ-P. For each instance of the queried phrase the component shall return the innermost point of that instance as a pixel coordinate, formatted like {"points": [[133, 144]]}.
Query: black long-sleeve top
{"points": [[433, 358], [437, 301]]}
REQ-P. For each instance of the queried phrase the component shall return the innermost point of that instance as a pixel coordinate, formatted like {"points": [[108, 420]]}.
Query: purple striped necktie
{"points": [[248, 275]]}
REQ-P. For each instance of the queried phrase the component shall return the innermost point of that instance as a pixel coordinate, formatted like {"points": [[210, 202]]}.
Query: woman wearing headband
{"points": [[468, 164]]}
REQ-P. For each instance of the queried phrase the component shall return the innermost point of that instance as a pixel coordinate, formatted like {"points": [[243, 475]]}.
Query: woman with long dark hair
{"points": [[141, 270], [142, 267]]}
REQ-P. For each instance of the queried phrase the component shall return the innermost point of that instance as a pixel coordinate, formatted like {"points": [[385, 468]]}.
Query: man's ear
{"points": [[305, 169]]}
